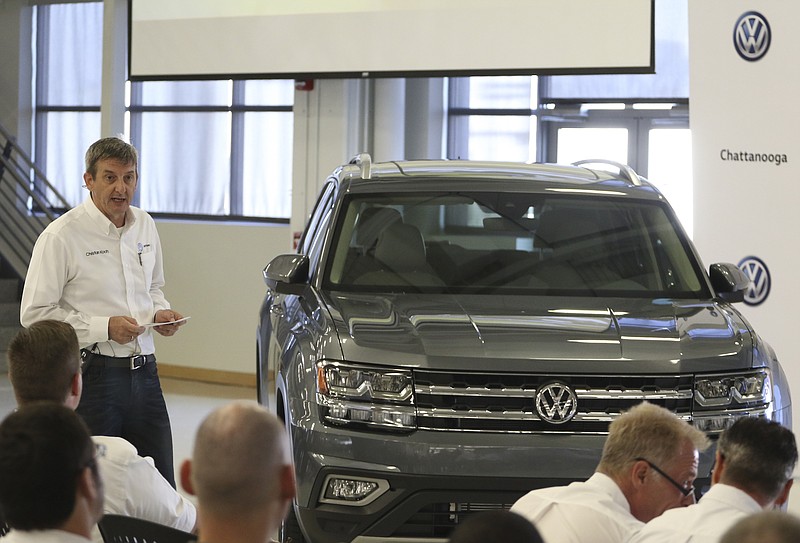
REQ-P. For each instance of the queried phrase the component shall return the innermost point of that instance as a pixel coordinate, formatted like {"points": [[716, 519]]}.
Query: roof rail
{"points": [[364, 162], [624, 169]]}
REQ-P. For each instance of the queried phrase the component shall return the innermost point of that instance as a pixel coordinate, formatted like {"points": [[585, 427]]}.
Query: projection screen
{"points": [[386, 38]]}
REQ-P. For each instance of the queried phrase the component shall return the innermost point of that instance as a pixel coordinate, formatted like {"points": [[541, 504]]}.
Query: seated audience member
{"points": [[489, 526], [50, 487], [241, 473], [764, 527], [648, 465], [44, 365], [753, 469]]}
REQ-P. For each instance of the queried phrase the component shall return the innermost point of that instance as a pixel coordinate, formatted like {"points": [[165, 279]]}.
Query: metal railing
{"points": [[28, 203]]}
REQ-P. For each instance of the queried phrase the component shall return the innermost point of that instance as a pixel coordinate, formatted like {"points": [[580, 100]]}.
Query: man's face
{"points": [[661, 493], [112, 188]]}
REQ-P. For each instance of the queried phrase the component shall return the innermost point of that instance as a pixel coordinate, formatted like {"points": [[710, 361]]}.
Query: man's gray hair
{"points": [[113, 148], [650, 432]]}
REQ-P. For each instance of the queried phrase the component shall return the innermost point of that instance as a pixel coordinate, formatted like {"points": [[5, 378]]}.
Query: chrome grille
{"points": [[500, 402]]}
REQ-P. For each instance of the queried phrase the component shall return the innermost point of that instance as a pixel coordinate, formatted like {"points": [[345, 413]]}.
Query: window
{"points": [[214, 147], [493, 118], [68, 45], [207, 148], [640, 120]]}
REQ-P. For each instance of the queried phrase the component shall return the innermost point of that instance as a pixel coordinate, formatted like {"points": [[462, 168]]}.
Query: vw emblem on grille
{"points": [[752, 36], [556, 403], [760, 280]]}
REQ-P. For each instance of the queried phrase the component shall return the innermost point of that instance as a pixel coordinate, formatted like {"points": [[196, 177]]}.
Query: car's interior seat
{"points": [[569, 239], [371, 222], [400, 252]]}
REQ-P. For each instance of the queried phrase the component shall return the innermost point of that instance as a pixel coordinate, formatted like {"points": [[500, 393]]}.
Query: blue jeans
{"points": [[129, 404]]}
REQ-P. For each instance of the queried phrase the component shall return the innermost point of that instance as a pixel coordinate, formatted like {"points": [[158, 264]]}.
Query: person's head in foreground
{"points": [[49, 478], [44, 364], [652, 455], [241, 473], [764, 527], [497, 525], [758, 456]]}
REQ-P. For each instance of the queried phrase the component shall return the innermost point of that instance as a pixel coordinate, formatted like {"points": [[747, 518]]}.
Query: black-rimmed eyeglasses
{"points": [[685, 491]]}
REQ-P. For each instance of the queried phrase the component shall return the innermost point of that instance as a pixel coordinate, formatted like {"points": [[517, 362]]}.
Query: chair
{"points": [[400, 251], [122, 529]]}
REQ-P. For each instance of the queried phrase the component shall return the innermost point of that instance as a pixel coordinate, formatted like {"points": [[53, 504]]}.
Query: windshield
{"points": [[510, 242]]}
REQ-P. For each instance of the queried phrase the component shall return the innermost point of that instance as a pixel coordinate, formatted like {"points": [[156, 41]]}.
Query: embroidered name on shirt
{"points": [[93, 253]]}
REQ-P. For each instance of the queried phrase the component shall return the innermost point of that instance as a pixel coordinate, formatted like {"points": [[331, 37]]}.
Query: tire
{"points": [[290, 531]]}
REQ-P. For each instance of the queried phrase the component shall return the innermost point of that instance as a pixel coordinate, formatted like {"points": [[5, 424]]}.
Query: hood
{"points": [[540, 333]]}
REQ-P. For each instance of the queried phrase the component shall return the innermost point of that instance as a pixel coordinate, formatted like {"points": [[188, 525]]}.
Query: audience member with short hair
{"points": [[764, 527], [648, 465], [753, 468], [44, 365], [500, 525], [241, 473], [50, 486]]}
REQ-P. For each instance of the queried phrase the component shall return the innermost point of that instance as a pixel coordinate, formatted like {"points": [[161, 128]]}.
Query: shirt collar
{"points": [[607, 484], [102, 221], [732, 496]]}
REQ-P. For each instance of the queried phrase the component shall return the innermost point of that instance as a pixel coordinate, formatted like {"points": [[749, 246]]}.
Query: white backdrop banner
{"points": [[745, 113]]}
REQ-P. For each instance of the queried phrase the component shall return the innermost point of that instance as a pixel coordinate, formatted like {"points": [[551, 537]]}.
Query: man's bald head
{"points": [[240, 454]]}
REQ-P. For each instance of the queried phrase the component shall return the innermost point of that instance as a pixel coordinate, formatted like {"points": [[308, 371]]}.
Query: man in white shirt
{"points": [[44, 365], [98, 267], [50, 488], [753, 468], [648, 465], [242, 474]]}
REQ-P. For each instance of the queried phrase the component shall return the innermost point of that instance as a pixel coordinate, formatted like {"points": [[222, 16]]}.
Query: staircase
{"points": [[28, 203], [9, 316]]}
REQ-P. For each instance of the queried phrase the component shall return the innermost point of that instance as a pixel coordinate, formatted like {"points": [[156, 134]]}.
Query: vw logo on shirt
{"points": [[556, 403], [760, 280], [752, 36]]}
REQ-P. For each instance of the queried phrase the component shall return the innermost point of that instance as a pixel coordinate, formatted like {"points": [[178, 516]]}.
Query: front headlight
{"points": [[722, 399], [717, 390], [367, 396]]}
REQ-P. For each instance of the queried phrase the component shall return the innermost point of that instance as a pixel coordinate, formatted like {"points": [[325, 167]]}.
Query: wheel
{"points": [[290, 531]]}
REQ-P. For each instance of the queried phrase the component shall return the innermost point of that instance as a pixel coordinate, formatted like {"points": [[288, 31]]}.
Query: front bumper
{"points": [[435, 479]]}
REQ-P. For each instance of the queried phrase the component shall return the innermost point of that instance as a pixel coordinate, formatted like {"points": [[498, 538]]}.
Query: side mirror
{"points": [[728, 281], [287, 274]]}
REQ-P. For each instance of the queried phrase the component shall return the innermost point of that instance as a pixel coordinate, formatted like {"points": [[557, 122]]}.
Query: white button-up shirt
{"points": [[706, 521], [135, 488], [594, 511], [85, 270]]}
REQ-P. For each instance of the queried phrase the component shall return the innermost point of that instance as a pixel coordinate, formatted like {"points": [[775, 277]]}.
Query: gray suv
{"points": [[453, 334]]}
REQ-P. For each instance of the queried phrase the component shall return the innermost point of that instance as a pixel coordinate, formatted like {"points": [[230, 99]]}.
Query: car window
{"points": [[486, 242]]}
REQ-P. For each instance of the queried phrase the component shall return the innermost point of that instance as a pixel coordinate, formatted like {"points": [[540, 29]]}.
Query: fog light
{"points": [[351, 490], [714, 425]]}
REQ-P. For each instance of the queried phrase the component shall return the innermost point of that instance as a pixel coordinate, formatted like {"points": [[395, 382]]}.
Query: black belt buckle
{"points": [[138, 361]]}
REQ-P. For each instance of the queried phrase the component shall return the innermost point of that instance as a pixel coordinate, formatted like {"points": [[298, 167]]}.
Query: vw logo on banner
{"points": [[760, 280], [752, 36]]}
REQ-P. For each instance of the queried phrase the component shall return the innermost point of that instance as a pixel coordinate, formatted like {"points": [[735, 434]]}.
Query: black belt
{"points": [[132, 362]]}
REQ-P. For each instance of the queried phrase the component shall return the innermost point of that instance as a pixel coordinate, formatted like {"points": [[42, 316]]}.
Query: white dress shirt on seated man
{"points": [[135, 488], [569, 513], [719, 509]]}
